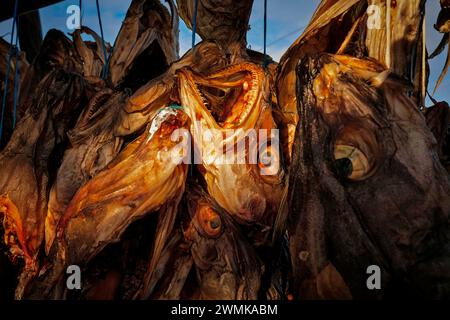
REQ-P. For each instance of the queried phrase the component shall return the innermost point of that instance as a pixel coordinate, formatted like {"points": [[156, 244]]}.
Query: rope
{"points": [[8, 68], [194, 23], [16, 82], [265, 34], [80, 5], [194, 29], [105, 69]]}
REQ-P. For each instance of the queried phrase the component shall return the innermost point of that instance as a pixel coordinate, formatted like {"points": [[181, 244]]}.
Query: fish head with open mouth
{"points": [[235, 139], [146, 44], [90, 54], [366, 185], [142, 105]]}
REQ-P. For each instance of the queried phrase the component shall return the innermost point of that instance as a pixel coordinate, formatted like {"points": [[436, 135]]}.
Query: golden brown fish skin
{"points": [[127, 189], [139, 181], [339, 27], [240, 189], [96, 138], [227, 267], [318, 36], [205, 58], [143, 104], [385, 203]]}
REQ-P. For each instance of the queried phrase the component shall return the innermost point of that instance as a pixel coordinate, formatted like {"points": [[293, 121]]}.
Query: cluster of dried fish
{"points": [[93, 174]]}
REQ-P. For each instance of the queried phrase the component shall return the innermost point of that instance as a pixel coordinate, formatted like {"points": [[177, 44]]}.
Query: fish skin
{"points": [[27, 164], [256, 199], [226, 264], [393, 217], [146, 22], [222, 21], [140, 181]]}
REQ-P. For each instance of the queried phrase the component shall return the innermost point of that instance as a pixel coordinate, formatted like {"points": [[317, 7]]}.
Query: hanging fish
{"points": [[366, 186], [227, 266], [241, 183], [146, 45], [21, 65], [146, 177], [28, 162], [221, 21]]}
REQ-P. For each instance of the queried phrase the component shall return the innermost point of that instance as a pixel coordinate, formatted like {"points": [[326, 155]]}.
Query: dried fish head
{"points": [[366, 185], [217, 20], [230, 114], [145, 177], [226, 265], [146, 45]]}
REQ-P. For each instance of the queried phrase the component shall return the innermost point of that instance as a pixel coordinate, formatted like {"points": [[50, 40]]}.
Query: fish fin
{"points": [[379, 79], [444, 72], [440, 47]]}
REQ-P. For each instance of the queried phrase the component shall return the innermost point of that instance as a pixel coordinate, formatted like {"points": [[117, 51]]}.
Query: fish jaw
{"points": [[237, 186]]}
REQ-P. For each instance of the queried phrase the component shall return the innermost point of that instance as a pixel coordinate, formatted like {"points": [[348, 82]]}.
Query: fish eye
{"points": [[351, 163], [210, 222]]}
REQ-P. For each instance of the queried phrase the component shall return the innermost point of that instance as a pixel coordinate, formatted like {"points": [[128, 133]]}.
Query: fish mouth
{"points": [[146, 45], [151, 63], [227, 99]]}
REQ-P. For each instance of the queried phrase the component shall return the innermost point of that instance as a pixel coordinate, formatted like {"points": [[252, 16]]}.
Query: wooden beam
{"points": [[7, 7]]}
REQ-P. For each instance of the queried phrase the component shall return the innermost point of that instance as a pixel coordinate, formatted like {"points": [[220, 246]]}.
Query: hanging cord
{"points": [[194, 23], [80, 5], [194, 30], [16, 80], [266, 62], [8, 68], [105, 68]]}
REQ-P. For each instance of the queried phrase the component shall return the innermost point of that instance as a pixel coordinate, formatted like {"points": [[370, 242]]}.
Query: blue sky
{"points": [[286, 21]]}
